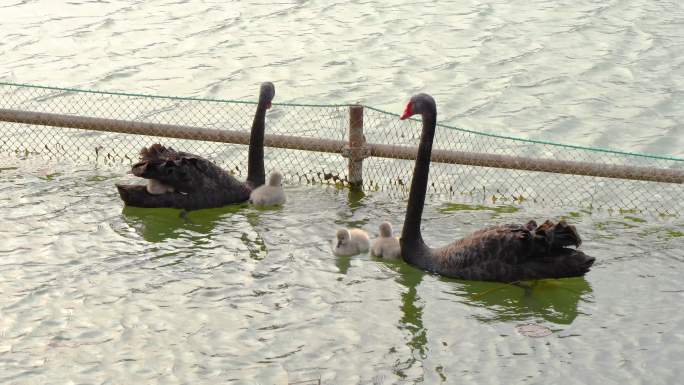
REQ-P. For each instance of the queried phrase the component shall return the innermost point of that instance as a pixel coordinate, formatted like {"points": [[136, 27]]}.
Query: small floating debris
{"points": [[533, 330]]}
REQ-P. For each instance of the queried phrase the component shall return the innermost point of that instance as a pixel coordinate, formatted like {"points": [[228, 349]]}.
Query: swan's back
{"points": [[183, 171], [514, 252], [196, 181]]}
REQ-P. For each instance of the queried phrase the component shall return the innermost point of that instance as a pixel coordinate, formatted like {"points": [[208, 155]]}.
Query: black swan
{"points": [[186, 181], [504, 253]]}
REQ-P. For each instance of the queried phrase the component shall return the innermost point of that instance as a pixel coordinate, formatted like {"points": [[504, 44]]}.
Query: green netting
{"points": [[482, 185]]}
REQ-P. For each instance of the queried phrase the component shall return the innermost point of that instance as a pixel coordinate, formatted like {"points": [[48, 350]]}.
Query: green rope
{"points": [[535, 141], [183, 98], [524, 140]]}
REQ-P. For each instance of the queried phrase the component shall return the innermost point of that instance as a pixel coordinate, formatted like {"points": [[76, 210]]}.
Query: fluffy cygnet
{"points": [[156, 187], [386, 246], [271, 193], [351, 242]]}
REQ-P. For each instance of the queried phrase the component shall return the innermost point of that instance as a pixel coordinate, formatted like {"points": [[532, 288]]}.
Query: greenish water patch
{"points": [[613, 224], [100, 178], [156, 225], [501, 209], [50, 176], [674, 233], [663, 232], [634, 219], [555, 301]]}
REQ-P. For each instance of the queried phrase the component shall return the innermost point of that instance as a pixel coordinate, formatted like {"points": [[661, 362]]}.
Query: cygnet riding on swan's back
{"points": [[186, 181], [156, 187], [270, 194], [351, 242], [506, 253], [386, 245]]}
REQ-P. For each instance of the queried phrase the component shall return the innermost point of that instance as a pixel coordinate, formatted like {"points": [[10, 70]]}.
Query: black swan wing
{"points": [[197, 182], [508, 253]]}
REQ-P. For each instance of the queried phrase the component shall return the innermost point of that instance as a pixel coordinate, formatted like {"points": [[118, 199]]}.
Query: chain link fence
{"points": [[200, 125]]}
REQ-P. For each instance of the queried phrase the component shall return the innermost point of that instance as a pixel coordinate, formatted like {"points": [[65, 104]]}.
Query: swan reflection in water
{"points": [[199, 227], [553, 300], [160, 224]]}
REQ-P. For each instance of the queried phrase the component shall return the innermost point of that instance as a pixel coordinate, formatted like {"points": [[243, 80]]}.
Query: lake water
{"points": [[94, 293], [600, 73]]}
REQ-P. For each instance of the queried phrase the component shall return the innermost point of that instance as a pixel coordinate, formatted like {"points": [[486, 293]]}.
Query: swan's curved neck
{"points": [[412, 240], [256, 174]]}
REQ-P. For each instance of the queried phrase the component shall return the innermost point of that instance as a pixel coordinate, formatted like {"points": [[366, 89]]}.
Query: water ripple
{"points": [[93, 293]]}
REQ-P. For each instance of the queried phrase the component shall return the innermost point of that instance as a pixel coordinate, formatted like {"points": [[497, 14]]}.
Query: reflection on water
{"points": [[411, 316], [355, 198], [554, 300], [343, 263], [156, 225], [198, 226], [151, 295], [355, 202]]}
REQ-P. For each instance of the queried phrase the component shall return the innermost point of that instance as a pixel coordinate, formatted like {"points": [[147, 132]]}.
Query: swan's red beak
{"points": [[268, 105], [408, 112]]}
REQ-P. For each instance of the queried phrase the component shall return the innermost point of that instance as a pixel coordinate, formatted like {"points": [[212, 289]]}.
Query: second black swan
{"points": [[187, 181], [504, 253]]}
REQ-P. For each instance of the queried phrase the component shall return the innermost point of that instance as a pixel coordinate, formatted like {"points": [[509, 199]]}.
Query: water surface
{"points": [[96, 293], [600, 73]]}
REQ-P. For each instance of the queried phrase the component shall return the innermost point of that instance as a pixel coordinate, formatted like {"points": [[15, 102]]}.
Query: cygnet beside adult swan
{"points": [[187, 181], [386, 245], [505, 253], [351, 242], [270, 194]]}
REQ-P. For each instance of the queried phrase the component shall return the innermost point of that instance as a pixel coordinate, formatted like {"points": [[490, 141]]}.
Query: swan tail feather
{"points": [[182, 171], [560, 263], [557, 235]]}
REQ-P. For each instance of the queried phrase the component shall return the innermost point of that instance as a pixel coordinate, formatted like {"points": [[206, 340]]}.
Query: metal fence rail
{"points": [[345, 148]]}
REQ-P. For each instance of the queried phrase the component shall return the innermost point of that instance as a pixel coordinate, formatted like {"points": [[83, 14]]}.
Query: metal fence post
{"points": [[356, 150]]}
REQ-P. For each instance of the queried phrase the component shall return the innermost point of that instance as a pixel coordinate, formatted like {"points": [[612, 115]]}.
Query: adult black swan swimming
{"points": [[505, 253], [186, 181]]}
